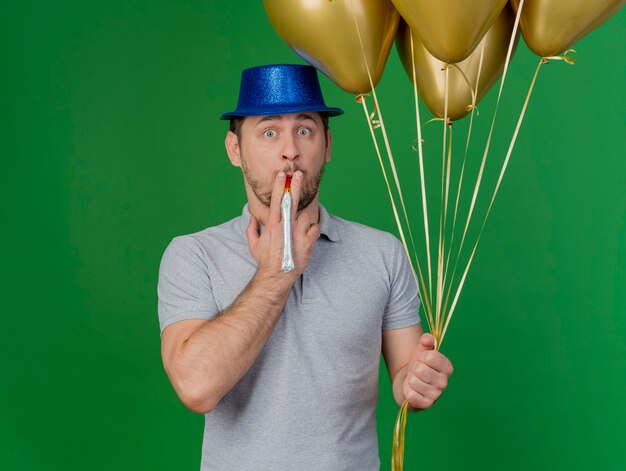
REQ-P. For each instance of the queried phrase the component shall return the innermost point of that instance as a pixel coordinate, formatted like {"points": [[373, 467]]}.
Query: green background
{"points": [[111, 146]]}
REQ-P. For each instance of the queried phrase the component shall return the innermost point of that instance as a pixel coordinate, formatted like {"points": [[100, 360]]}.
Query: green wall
{"points": [[111, 146]]}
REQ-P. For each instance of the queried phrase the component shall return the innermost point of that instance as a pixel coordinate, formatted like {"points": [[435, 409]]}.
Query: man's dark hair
{"points": [[237, 121]]}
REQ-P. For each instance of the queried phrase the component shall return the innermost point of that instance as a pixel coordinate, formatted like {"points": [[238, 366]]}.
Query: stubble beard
{"points": [[310, 186]]}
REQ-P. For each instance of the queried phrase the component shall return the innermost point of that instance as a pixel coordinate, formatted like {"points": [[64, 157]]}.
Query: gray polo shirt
{"points": [[308, 402]]}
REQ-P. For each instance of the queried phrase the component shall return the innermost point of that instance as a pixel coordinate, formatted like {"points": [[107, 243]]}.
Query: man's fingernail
{"points": [[280, 175], [298, 175]]}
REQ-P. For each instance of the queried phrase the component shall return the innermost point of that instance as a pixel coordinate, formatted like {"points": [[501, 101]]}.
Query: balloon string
{"points": [[487, 146], [544, 60], [371, 118], [471, 106], [397, 448], [422, 179], [443, 156], [467, 142], [388, 149], [460, 185], [443, 252], [361, 99], [448, 165], [432, 120], [442, 210], [493, 121]]}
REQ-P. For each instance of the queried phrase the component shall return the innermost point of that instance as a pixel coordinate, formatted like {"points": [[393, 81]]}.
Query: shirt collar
{"points": [[328, 227]]}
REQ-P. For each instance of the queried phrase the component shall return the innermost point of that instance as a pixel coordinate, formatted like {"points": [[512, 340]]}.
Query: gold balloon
{"points": [[323, 33], [450, 29], [431, 77], [550, 27]]}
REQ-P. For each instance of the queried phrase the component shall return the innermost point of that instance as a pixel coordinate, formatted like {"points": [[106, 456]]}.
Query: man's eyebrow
{"points": [[270, 117], [278, 117], [305, 116]]}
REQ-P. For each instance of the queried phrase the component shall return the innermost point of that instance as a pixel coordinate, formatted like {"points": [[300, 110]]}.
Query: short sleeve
{"points": [[403, 303], [184, 287]]}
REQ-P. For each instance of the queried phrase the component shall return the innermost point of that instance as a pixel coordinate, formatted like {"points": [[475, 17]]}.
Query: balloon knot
{"points": [[361, 97], [565, 57], [568, 58], [415, 143], [471, 107]]}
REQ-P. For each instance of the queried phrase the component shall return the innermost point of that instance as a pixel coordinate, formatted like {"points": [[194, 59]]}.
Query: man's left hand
{"points": [[427, 374]]}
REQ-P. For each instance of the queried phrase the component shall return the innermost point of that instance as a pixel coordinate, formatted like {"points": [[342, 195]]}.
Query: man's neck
{"points": [[260, 211]]}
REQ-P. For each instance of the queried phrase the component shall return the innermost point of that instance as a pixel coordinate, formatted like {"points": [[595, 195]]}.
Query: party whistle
{"points": [[285, 211]]}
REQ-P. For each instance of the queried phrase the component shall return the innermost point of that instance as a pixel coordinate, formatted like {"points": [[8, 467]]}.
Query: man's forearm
{"points": [[217, 354]]}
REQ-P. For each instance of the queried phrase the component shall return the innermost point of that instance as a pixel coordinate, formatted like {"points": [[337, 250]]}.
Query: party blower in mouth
{"points": [[285, 210]]}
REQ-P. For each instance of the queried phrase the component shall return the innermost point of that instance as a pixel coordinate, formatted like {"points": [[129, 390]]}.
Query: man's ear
{"points": [[329, 146], [232, 148]]}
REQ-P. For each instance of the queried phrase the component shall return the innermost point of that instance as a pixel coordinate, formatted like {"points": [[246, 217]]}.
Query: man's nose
{"points": [[290, 148]]}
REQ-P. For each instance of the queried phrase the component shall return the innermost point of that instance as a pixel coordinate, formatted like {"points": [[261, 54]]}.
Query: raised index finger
{"points": [[296, 187], [277, 195]]}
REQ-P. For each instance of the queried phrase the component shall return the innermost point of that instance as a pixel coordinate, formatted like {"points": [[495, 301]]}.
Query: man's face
{"points": [[288, 142]]}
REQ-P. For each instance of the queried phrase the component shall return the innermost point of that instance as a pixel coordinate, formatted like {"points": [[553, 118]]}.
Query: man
{"points": [[285, 365]]}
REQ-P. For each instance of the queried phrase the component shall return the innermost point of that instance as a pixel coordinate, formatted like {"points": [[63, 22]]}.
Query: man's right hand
{"points": [[204, 359], [267, 247]]}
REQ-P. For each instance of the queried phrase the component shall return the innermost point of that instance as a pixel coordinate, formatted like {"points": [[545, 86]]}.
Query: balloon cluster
{"points": [[453, 51], [472, 34]]}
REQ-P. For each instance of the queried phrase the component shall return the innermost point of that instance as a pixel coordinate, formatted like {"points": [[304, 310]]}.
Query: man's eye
{"points": [[304, 131], [269, 133]]}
